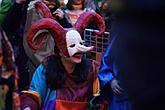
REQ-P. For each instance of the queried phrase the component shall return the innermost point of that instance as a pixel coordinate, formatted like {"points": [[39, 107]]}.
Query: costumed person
{"points": [[36, 11], [134, 60], [109, 77], [74, 8], [13, 26], [65, 80], [9, 97]]}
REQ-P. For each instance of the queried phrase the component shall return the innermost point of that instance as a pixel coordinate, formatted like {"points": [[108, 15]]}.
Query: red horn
{"points": [[43, 9], [87, 18], [56, 29]]}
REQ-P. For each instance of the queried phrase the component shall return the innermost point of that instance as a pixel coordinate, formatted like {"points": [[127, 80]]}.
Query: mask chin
{"points": [[76, 58]]}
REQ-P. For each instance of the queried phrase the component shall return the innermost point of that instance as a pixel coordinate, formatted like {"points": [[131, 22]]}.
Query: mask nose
{"points": [[82, 48]]}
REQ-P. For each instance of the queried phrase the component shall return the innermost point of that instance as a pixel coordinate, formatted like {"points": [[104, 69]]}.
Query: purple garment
{"points": [[76, 92]]}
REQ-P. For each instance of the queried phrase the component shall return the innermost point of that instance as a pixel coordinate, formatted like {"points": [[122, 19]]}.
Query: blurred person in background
{"points": [[136, 53], [74, 8], [110, 77], [9, 96], [13, 25], [111, 86]]}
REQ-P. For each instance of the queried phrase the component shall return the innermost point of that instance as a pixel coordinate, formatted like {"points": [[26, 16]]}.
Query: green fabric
{"points": [[4, 8], [2, 99]]}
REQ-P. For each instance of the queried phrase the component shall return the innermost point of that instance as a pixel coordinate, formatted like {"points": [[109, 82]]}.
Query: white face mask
{"points": [[75, 43]]}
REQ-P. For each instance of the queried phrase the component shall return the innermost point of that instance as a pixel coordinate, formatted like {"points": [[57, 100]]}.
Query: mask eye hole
{"points": [[81, 43], [72, 45]]}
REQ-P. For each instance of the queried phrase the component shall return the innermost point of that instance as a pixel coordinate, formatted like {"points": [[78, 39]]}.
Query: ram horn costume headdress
{"points": [[61, 35]]}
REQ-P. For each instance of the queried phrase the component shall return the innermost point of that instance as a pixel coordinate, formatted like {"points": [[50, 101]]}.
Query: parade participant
{"points": [[135, 57], [74, 9], [109, 77], [13, 26], [8, 75], [66, 80]]}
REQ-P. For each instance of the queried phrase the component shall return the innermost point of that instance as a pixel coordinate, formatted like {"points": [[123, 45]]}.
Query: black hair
{"points": [[55, 72]]}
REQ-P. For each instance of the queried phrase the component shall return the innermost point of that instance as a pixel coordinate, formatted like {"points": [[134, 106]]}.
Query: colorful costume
{"points": [[72, 94]]}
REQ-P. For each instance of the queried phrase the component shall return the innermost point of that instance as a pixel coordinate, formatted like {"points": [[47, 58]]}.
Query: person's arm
{"points": [[33, 98], [106, 70], [61, 18], [4, 8]]}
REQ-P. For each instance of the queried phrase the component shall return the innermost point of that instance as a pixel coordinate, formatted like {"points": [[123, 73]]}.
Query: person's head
{"points": [[52, 4], [75, 46], [78, 4]]}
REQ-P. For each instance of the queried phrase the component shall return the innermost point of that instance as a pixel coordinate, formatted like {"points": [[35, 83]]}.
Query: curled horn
{"points": [[56, 29], [43, 9], [87, 18]]}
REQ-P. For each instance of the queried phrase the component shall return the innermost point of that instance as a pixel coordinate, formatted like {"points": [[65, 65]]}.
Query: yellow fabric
{"points": [[96, 84], [96, 87]]}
